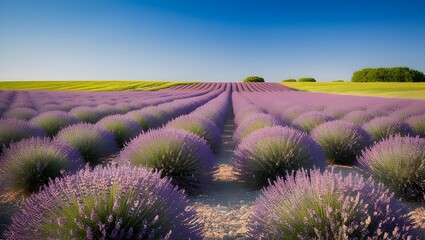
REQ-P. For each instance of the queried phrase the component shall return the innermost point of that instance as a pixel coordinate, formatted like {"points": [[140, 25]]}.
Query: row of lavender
{"points": [[274, 145], [125, 199]]}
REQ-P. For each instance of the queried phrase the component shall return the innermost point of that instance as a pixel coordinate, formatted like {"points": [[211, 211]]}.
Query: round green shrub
{"points": [[307, 79], [253, 79], [395, 74], [289, 80]]}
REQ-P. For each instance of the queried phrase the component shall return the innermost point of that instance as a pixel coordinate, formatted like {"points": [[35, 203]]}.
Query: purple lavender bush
{"points": [[342, 141], [384, 127], [107, 203], [123, 128], [201, 127], [246, 112], [358, 117], [314, 205], [23, 113], [86, 114], [399, 163], [181, 155], [253, 123], [145, 120], [94, 143], [14, 130], [417, 123], [26, 166], [309, 120], [272, 152], [53, 121]]}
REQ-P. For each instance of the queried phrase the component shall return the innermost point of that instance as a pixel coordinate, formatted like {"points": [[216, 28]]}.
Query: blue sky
{"points": [[208, 40]]}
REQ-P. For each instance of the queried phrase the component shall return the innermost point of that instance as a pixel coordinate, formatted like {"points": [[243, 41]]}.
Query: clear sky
{"points": [[207, 40]]}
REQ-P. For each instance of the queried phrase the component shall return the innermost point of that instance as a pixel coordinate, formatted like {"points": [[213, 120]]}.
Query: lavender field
{"points": [[211, 161]]}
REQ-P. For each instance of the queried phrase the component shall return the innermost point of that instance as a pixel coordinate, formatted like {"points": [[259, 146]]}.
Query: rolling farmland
{"points": [[208, 161]]}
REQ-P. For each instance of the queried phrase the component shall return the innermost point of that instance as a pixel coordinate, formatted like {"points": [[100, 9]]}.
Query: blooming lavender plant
{"points": [[201, 127], [399, 163], [417, 123], [121, 127], [94, 143], [145, 120], [253, 123], [53, 121], [273, 151], [342, 141], [23, 113], [309, 120], [107, 203], [14, 130], [86, 114], [384, 127], [358, 116], [314, 205], [181, 155], [26, 166]]}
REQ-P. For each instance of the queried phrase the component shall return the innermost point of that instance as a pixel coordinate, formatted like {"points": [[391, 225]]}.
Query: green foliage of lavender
{"points": [[23, 113], [14, 130], [86, 114], [107, 203], [145, 120], [342, 141], [94, 143], [383, 127], [123, 128], [26, 166], [181, 155], [399, 163], [417, 123], [315, 205], [272, 152], [309, 120], [53, 121], [253, 123], [201, 127]]}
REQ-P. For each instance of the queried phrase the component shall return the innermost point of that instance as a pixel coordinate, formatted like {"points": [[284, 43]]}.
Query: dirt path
{"points": [[226, 204]]}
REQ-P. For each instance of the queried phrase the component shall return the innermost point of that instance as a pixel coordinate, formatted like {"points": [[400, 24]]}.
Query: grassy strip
{"points": [[379, 89], [88, 85]]}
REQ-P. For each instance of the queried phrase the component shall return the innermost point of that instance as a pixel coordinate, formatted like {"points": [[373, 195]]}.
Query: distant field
{"points": [[88, 85], [380, 89]]}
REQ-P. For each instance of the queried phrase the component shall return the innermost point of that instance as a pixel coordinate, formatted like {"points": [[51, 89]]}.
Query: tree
{"points": [[307, 79], [395, 74], [253, 79]]}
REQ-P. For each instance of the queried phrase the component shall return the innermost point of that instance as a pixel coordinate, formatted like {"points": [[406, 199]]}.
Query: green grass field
{"points": [[379, 89], [88, 85]]}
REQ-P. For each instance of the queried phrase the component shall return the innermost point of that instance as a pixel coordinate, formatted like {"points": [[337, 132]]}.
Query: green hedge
{"points": [[395, 74], [307, 79], [289, 80], [253, 79]]}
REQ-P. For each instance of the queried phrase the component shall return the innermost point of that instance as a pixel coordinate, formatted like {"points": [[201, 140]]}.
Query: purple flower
{"points": [[417, 123], [314, 205], [160, 210], [86, 114]]}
